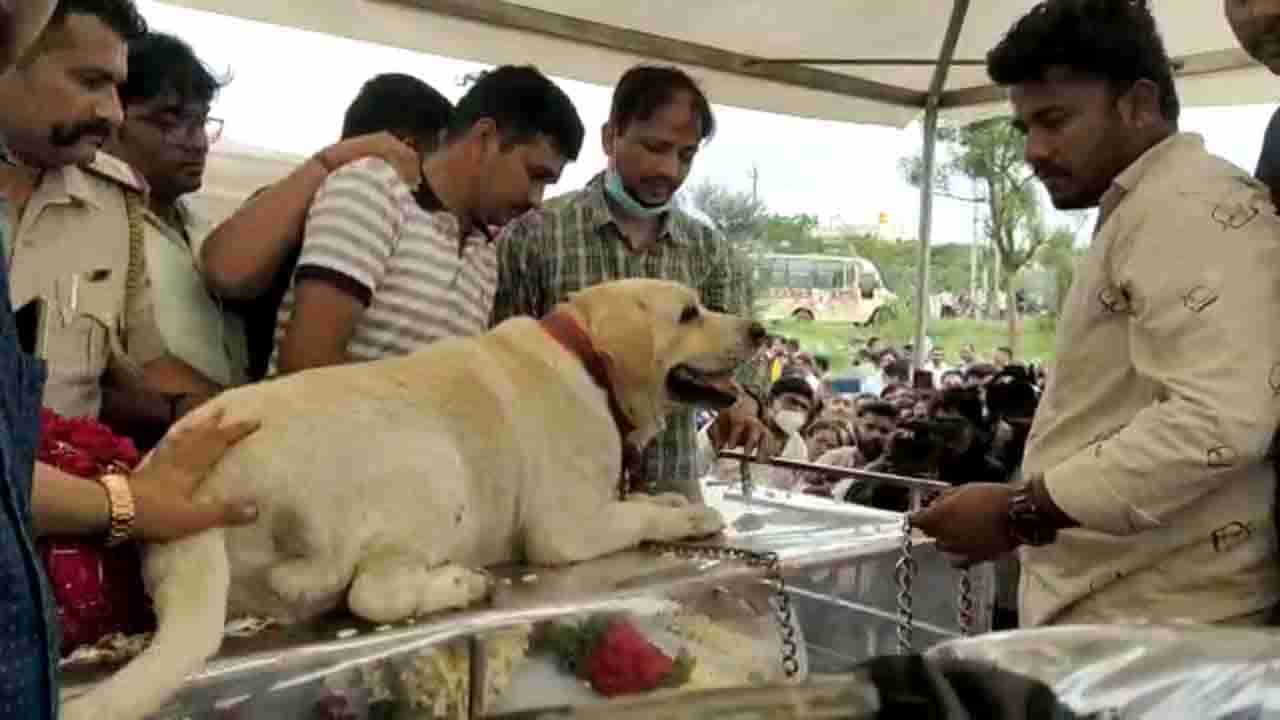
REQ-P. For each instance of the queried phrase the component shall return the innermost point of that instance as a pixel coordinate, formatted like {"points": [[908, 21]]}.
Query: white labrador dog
{"points": [[387, 486]]}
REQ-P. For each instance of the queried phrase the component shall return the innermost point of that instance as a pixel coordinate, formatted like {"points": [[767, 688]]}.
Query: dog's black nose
{"points": [[757, 333]]}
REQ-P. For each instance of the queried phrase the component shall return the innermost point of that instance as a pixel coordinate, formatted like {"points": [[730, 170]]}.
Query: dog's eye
{"points": [[689, 314]]}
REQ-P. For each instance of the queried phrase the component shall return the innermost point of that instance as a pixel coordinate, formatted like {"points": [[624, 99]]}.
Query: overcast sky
{"points": [[291, 87]]}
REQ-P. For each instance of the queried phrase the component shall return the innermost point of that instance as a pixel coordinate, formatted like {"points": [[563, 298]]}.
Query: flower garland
{"points": [[98, 590]]}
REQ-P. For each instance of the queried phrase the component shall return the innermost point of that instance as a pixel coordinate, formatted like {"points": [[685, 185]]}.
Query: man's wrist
{"points": [[121, 510], [1038, 490], [1032, 517]]}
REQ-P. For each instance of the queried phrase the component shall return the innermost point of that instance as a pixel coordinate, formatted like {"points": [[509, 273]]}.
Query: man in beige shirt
{"points": [[77, 212], [166, 136], [1148, 488]]}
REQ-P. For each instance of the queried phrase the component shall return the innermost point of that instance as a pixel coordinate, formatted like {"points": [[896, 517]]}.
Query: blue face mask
{"points": [[617, 192]]}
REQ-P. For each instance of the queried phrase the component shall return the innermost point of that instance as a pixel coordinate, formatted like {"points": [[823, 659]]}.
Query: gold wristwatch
{"points": [[120, 507]]}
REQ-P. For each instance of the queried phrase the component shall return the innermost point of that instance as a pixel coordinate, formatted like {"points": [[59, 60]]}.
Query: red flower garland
{"points": [[98, 589]]}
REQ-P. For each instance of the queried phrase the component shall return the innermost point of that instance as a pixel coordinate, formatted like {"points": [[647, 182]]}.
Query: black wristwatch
{"points": [[1029, 524]]}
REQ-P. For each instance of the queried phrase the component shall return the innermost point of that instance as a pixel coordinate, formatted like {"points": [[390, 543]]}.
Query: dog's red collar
{"points": [[569, 333]]}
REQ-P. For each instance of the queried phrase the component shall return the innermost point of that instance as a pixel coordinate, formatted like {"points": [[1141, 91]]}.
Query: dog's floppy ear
{"points": [[622, 331]]}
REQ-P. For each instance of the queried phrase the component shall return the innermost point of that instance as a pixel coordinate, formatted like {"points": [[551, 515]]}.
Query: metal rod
{"points": [[477, 676], [900, 480], [869, 610], [859, 62], [936, 88], [571, 28]]}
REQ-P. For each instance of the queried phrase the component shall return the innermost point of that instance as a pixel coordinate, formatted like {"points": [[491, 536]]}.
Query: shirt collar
{"points": [[429, 201], [1151, 162], [186, 216], [670, 231]]}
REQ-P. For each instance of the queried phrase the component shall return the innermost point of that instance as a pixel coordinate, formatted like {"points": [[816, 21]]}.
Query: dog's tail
{"points": [[188, 581]]}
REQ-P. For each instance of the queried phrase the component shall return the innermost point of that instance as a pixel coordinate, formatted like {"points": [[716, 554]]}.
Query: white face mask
{"points": [[789, 421]]}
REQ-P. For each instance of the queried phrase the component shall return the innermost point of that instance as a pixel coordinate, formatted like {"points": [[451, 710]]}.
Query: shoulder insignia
{"points": [[113, 169]]}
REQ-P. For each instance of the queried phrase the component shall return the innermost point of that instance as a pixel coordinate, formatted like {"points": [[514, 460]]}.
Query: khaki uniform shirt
{"points": [[193, 326], [71, 248], [1155, 429]]}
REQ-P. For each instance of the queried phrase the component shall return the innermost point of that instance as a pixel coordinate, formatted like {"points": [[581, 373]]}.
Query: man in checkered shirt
{"points": [[623, 224]]}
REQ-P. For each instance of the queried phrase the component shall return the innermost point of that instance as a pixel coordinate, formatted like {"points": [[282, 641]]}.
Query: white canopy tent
{"points": [[868, 61]]}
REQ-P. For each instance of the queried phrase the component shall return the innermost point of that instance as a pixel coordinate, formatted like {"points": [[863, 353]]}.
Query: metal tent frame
{"points": [[516, 30]]}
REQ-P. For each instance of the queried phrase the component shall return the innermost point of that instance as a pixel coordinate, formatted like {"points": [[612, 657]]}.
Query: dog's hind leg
{"points": [[390, 586], [307, 586]]}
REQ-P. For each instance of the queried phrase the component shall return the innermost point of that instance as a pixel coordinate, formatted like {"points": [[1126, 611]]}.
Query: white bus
{"points": [[822, 288]]}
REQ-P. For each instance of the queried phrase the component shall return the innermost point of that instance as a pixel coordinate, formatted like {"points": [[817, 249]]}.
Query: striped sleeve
{"points": [[352, 227]]}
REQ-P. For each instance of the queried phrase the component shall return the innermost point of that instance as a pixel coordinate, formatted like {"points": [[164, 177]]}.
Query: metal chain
{"points": [[773, 573], [767, 560], [904, 573], [966, 606]]}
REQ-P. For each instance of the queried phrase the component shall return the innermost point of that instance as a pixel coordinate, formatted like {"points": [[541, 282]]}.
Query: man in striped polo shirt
{"points": [[386, 269]]}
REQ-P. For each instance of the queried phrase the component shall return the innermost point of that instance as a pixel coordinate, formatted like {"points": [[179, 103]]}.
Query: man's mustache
{"points": [[62, 136], [1048, 170]]}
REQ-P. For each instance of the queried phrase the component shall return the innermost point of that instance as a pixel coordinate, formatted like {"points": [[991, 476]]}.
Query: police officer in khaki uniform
{"points": [[77, 215]]}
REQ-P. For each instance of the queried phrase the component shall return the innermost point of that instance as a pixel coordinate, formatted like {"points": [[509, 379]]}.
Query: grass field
{"points": [[833, 340]]}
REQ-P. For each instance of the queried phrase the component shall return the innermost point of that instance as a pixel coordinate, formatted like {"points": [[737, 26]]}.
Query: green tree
{"points": [[792, 234], [739, 215], [989, 154], [1059, 255]]}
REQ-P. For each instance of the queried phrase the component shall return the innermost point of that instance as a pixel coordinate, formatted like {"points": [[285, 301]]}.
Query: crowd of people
{"points": [[1145, 490], [959, 423]]}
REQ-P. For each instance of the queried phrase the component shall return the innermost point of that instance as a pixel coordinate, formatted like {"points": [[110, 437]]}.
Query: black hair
{"points": [[892, 388], [899, 369], [879, 407], [1115, 40], [822, 362], [399, 104], [965, 402], [981, 370], [160, 63], [645, 89], [121, 16], [524, 104], [794, 383]]}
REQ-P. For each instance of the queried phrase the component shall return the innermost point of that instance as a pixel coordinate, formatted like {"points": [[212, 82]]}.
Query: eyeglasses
{"points": [[179, 130]]}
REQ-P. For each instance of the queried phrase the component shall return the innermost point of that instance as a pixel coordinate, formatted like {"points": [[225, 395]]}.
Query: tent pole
{"points": [[926, 228], [939, 84]]}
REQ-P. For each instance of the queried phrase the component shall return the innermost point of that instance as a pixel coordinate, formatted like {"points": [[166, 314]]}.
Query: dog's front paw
{"points": [[701, 521], [475, 585]]}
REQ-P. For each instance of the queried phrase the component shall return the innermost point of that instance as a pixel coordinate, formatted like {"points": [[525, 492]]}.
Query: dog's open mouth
{"points": [[691, 386]]}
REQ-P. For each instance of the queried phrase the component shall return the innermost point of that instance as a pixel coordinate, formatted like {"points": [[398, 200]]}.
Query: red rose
{"points": [[94, 441], [98, 590], [50, 425], [126, 453], [79, 464], [624, 662]]}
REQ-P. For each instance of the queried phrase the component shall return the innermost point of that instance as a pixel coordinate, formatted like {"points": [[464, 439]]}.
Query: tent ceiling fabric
{"points": [[595, 41]]}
